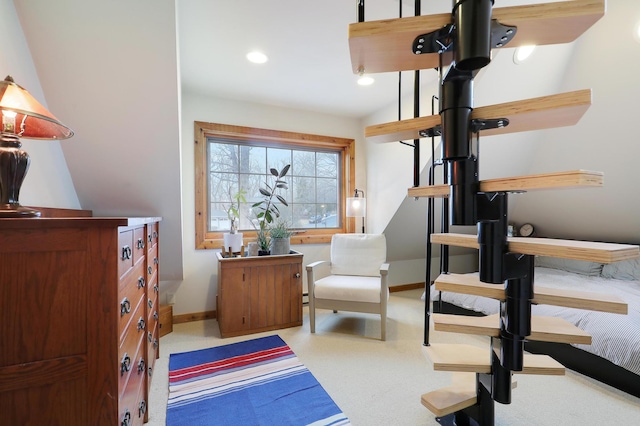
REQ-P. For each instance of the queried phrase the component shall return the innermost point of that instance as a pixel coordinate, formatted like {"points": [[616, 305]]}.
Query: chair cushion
{"points": [[358, 254], [348, 288]]}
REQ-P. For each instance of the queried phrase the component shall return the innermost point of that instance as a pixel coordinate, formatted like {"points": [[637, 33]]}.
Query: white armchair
{"points": [[354, 280]]}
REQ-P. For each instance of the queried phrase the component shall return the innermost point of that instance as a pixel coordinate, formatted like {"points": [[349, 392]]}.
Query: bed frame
{"points": [[571, 357]]}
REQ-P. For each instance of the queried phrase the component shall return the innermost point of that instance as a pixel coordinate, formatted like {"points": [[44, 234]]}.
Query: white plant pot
{"points": [[233, 240]]}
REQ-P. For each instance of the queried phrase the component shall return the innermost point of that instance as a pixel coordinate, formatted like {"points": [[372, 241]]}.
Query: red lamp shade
{"points": [[22, 116], [37, 122]]}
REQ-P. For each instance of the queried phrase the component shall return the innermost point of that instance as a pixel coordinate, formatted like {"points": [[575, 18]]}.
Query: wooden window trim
{"points": [[202, 130]]}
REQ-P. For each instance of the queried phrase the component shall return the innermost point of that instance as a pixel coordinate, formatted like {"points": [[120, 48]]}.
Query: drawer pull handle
{"points": [[149, 237], [125, 364], [140, 243], [155, 288], [126, 253], [141, 282], [141, 324], [150, 270], [126, 418], [155, 261], [155, 234], [150, 336], [150, 371], [297, 275], [142, 408], [155, 343], [156, 316], [125, 307], [150, 303], [141, 365]]}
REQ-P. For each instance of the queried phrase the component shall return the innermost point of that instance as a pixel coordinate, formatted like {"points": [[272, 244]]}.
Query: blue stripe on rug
{"points": [[256, 382]]}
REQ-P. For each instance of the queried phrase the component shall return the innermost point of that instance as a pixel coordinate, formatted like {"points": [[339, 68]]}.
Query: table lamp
{"points": [[22, 117]]}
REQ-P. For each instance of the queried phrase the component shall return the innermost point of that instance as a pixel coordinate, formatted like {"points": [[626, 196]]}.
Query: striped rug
{"points": [[256, 382]]}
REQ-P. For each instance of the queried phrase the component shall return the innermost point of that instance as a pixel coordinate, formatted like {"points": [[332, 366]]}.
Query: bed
{"points": [[614, 355]]}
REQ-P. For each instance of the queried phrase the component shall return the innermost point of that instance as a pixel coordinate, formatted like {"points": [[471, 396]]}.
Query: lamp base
{"points": [[16, 210]]}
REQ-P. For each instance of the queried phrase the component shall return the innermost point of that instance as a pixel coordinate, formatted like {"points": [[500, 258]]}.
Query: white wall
{"points": [[110, 73], [196, 293], [48, 183], [606, 59]]}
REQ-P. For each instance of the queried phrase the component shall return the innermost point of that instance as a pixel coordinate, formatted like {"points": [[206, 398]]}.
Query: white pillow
{"points": [[581, 267], [625, 270]]}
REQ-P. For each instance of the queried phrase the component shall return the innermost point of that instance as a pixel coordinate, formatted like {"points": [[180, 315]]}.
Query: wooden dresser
{"points": [[259, 293], [78, 319]]}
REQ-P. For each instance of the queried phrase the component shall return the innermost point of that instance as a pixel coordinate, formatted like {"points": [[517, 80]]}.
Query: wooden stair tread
{"points": [[559, 180], [471, 284], [580, 299], [461, 394], [545, 112], [385, 45], [543, 328], [450, 399], [473, 359], [566, 249]]}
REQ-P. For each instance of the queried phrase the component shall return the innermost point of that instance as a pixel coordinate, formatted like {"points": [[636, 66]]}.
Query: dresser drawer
{"points": [[153, 349], [131, 354], [153, 261], [153, 317], [133, 405], [152, 235], [125, 251], [132, 293], [139, 244]]}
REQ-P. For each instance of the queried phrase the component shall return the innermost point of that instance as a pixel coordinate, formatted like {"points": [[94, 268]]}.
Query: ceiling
{"points": [[309, 66]]}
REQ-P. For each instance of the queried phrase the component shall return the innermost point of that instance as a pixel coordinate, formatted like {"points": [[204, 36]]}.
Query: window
{"points": [[232, 158]]}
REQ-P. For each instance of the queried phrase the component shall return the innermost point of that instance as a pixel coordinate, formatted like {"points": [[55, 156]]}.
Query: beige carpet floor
{"points": [[380, 383]]}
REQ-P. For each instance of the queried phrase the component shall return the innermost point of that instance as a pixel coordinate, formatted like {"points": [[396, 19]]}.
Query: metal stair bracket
{"points": [[442, 40]]}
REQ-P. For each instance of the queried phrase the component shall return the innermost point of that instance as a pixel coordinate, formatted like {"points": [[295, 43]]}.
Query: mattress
{"points": [[615, 337]]}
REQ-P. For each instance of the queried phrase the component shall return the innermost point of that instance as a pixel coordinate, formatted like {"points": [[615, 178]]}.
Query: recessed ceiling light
{"points": [[257, 57], [522, 53]]}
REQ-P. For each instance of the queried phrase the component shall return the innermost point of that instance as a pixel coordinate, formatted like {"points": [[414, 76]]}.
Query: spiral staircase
{"points": [[461, 42]]}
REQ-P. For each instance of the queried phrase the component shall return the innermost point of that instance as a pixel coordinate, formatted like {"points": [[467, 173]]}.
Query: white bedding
{"points": [[614, 337]]}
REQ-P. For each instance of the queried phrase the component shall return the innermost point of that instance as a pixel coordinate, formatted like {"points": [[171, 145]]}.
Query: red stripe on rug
{"points": [[228, 363]]}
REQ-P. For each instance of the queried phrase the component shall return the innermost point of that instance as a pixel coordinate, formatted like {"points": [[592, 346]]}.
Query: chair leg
{"points": [[312, 318], [383, 326]]}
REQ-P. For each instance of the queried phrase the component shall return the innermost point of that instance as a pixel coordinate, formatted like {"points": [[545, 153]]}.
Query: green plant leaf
{"points": [[265, 192], [274, 172], [284, 170], [282, 200]]}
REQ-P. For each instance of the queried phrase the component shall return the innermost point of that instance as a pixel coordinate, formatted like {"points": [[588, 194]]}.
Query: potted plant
{"points": [[267, 209], [280, 238], [233, 239], [262, 238]]}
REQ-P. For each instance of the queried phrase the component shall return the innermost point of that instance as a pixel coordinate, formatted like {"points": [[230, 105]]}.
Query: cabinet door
{"points": [[233, 312], [276, 295]]}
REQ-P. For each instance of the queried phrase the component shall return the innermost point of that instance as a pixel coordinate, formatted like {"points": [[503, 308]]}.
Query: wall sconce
{"points": [[357, 206], [22, 116]]}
